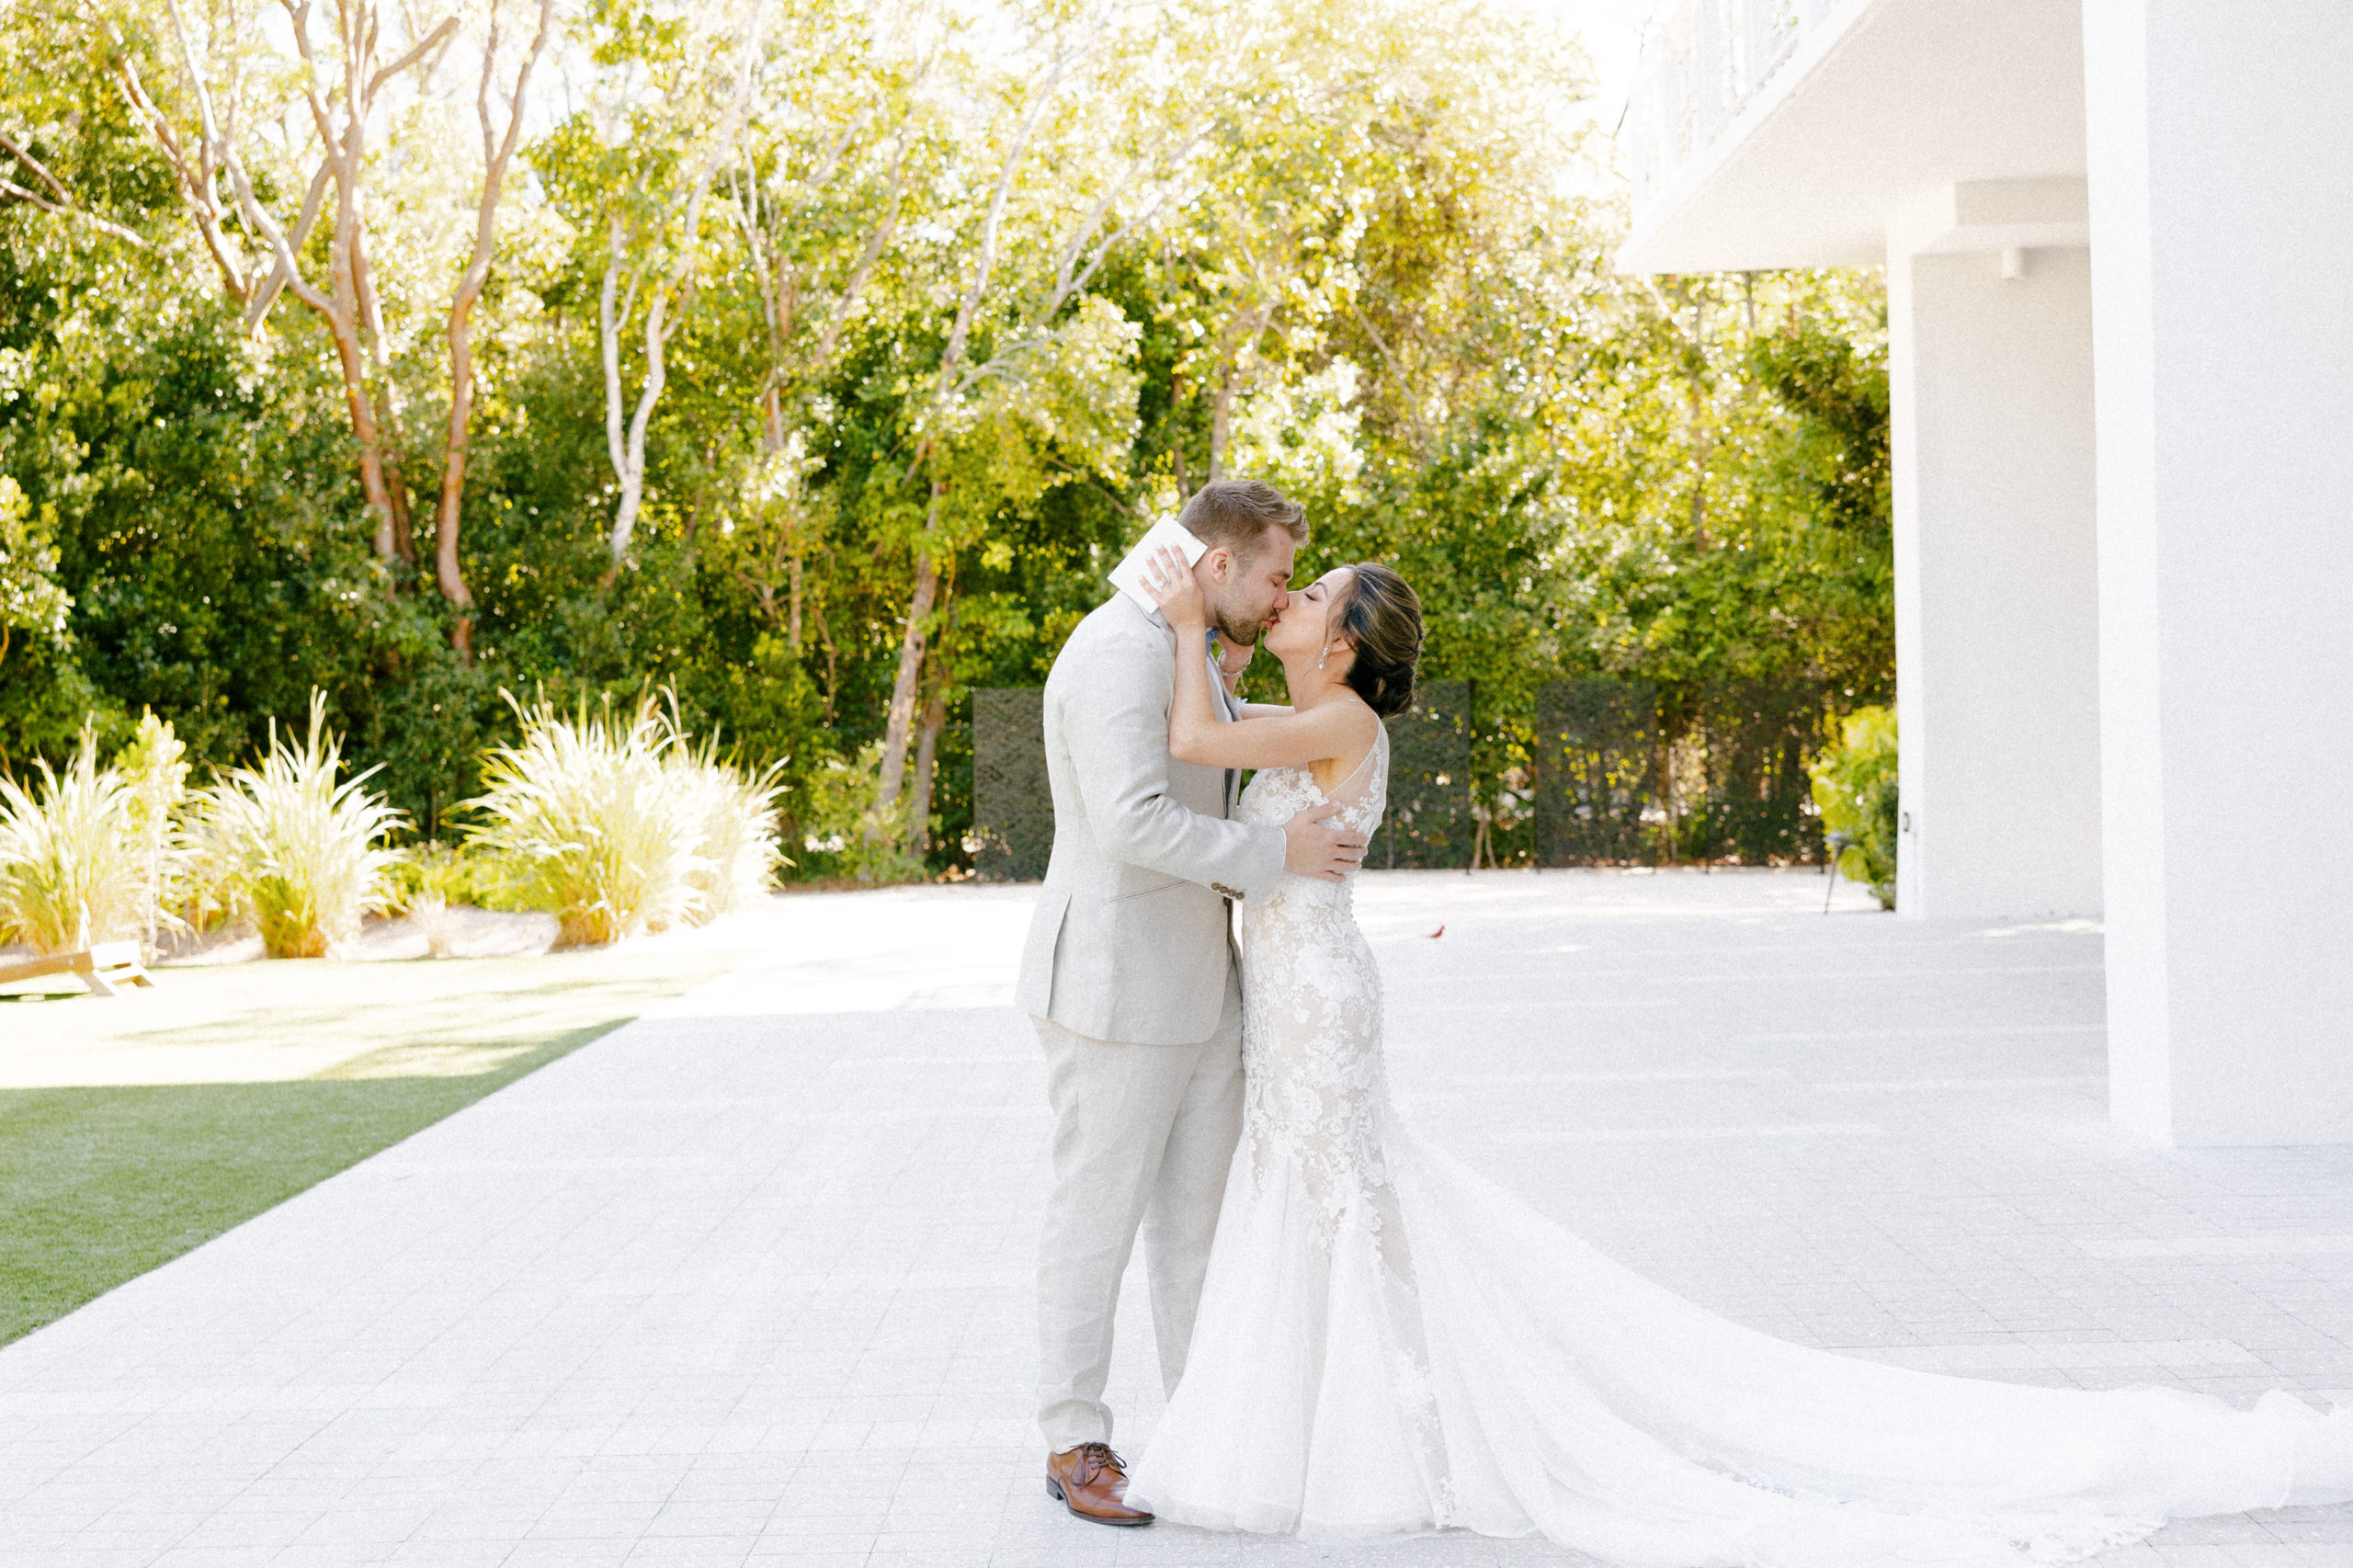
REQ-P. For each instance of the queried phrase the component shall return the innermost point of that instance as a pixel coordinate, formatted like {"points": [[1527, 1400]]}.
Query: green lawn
{"points": [[134, 1129]]}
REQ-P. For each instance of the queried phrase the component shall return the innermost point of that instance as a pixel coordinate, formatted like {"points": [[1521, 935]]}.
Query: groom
{"points": [[1129, 976]]}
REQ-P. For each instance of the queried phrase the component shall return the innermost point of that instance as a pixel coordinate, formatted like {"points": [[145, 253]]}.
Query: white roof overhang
{"points": [[1885, 107]]}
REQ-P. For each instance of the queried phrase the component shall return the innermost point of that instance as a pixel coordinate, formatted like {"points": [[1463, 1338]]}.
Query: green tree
{"points": [[914, 318], [30, 598]]}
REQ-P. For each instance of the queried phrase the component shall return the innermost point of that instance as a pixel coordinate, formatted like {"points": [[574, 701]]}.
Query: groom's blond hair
{"points": [[1234, 514]]}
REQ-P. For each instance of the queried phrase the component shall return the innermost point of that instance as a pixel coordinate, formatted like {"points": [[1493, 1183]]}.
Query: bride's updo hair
{"points": [[1381, 618]]}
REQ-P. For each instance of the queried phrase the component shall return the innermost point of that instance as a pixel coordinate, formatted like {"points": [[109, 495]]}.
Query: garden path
{"points": [[749, 1279]]}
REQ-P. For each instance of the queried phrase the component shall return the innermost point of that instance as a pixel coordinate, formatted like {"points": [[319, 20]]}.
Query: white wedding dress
{"points": [[1387, 1342]]}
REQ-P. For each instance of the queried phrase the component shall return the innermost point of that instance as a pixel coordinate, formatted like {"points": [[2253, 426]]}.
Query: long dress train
{"points": [[1387, 1342]]}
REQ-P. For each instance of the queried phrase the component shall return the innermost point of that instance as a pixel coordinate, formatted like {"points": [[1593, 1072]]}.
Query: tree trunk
{"points": [[1221, 424], [369, 313], [675, 289], [448, 571], [379, 478], [1699, 468], [1177, 394], [395, 487], [448, 574], [609, 349], [1250, 327], [1699, 428], [347, 302], [935, 719], [898, 731], [626, 440], [363, 429]]}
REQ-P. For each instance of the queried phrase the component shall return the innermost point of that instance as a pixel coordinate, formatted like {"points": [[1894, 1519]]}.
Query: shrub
{"points": [[621, 826], [70, 871], [299, 852], [154, 773], [1855, 785], [587, 814], [736, 839], [455, 874], [433, 879], [30, 599], [844, 833]]}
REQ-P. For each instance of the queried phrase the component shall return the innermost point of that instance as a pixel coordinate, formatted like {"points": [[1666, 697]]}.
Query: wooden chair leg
{"points": [[115, 978]]}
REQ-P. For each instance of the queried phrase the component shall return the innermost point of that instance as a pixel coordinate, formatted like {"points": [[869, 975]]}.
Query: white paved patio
{"points": [[750, 1280]]}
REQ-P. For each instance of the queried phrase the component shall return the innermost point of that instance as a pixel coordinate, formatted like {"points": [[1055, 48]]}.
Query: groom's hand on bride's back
{"points": [[1313, 848]]}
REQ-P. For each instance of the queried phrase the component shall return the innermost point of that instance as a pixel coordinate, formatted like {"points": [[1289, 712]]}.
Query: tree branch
{"points": [[40, 170], [630, 452], [197, 193], [609, 342], [266, 294], [424, 47], [952, 356], [10, 188], [248, 203], [854, 288]]}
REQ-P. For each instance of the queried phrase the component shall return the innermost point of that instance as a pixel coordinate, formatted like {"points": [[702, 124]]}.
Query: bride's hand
{"points": [[1170, 582]]}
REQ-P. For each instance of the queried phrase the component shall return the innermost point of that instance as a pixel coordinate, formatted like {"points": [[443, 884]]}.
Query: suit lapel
{"points": [[1228, 708]]}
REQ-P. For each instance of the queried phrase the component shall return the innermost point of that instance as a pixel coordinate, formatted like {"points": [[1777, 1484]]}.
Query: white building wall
{"points": [[2221, 171], [1996, 581]]}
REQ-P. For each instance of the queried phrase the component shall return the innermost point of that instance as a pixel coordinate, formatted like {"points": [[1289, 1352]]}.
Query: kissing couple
{"points": [[1358, 1334]]}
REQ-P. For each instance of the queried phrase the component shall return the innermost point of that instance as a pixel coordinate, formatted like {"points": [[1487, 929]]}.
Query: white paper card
{"points": [[1127, 576]]}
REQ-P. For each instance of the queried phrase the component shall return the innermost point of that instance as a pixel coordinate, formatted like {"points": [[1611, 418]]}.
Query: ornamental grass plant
{"points": [[299, 852], [591, 822], [618, 825], [71, 867], [736, 841]]}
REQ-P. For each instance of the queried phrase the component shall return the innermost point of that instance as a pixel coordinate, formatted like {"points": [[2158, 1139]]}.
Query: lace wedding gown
{"points": [[1387, 1342]]}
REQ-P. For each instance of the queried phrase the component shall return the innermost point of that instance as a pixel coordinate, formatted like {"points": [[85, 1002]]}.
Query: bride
{"points": [[1387, 1342]]}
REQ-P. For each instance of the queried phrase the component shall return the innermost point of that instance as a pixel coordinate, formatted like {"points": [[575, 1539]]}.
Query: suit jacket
{"points": [[1131, 938]]}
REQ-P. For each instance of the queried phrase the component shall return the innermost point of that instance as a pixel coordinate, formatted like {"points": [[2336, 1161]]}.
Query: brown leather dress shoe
{"points": [[1090, 1481]]}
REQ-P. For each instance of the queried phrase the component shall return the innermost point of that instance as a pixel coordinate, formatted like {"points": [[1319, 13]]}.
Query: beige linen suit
{"points": [[1129, 976]]}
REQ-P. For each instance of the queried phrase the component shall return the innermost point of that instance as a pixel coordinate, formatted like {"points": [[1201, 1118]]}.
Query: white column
{"points": [[2221, 159], [1996, 634]]}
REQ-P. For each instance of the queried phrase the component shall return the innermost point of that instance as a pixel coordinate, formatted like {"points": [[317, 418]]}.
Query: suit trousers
{"points": [[1144, 1135]]}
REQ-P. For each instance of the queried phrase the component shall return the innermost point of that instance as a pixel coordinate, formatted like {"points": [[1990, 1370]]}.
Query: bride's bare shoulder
{"points": [[1358, 732]]}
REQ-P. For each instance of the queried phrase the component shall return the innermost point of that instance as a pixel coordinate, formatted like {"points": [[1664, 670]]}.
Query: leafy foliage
{"points": [[846, 834], [30, 599], [616, 825], [735, 836], [1855, 785], [294, 846], [592, 822], [70, 869], [963, 302], [154, 769]]}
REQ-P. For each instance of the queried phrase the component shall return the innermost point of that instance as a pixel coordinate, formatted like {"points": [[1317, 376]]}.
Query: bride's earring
{"points": [[1324, 655]]}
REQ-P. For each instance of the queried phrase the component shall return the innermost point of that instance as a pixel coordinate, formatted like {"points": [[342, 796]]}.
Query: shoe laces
{"points": [[1094, 1459]]}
